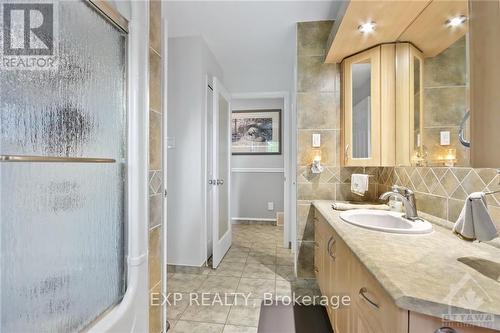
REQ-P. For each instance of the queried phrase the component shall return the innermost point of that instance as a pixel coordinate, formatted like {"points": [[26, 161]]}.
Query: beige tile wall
{"points": [[441, 191], [155, 163], [317, 112], [445, 102]]}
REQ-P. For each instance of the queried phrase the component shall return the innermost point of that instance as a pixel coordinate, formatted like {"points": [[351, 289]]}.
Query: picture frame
{"points": [[256, 132]]}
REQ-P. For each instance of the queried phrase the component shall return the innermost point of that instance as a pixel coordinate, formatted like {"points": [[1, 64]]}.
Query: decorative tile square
{"points": [[472, 183], [449, 182]]}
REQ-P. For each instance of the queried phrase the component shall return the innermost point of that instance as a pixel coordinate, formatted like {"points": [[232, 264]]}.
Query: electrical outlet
{"points": [[170, 142], [270, 205], [444, 138]]}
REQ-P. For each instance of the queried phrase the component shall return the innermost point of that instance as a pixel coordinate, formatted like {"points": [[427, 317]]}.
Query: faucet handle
{"points": [[401, 190], [397, 188]]}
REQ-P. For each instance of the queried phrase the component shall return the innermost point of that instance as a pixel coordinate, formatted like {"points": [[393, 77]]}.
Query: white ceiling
{"points": [[253, 41]]}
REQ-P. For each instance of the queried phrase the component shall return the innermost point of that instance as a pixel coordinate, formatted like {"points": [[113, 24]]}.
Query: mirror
{"points": [[439, 85], [361, 109]]}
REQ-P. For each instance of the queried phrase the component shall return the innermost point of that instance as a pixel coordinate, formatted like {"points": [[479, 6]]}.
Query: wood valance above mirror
{"points": [[419, 22]]}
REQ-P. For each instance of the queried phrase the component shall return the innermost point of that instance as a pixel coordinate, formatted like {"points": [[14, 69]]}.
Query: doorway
{"points": [[218, 230], [260, 188]]}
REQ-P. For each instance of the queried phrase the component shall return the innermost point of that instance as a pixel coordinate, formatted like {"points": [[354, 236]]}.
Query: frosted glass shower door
{"points": [[62, 180]]}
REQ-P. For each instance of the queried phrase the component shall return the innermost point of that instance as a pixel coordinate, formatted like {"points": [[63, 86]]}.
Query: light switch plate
{"points": [[316, 140], [445, 138], [270, 205]]}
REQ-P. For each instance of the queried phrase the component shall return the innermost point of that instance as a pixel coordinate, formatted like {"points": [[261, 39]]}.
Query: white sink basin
{"points": [[385, 221]]}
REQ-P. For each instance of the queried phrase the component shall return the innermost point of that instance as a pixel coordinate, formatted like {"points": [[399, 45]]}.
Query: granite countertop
{"points": [[433, 274]]}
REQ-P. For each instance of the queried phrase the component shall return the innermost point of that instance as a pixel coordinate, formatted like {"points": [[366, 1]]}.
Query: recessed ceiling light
{"points": [[456, 21], [367, 27]]}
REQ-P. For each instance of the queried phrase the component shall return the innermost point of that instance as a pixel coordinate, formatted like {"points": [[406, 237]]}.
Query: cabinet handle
{"points": [[445, 330], [362, 294], [331, 242], [316, 244], [316, 269], [346, 153]]}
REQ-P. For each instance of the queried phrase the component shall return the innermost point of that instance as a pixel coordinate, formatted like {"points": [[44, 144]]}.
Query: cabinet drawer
{"points": [[375, 307]]}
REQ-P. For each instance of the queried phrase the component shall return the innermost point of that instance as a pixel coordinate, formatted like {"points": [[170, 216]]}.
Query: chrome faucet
{"points": [[408, 198]]}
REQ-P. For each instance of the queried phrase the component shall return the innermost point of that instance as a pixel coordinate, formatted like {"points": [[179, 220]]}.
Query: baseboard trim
{"points": [[250, 220], [258, 170]]}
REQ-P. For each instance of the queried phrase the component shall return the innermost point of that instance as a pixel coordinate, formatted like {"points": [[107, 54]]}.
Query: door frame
{"points": [[287, 147], [164, 145]]}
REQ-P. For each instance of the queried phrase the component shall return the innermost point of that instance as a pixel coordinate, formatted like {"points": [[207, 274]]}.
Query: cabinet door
{"points": [[339, 282], [361, 109], [360, 322], [372, 306], [409, 105], [318, 253]]}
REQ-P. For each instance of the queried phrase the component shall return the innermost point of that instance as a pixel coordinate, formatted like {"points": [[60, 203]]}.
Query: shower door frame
{"points": [[132, 313]]}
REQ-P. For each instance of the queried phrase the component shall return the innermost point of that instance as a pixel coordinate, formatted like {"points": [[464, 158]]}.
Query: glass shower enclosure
{"points": [[63, 179]]}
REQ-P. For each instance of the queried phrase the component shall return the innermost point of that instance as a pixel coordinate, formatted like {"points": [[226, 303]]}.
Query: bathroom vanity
{"points": [[404, 283]]}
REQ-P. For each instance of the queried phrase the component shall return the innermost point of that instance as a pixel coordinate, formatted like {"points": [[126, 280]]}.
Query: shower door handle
{"points": [[54, 159]]}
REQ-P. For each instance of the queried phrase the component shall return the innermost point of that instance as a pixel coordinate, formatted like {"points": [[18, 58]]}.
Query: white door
{"points": [[210, 170], [221, 153]]}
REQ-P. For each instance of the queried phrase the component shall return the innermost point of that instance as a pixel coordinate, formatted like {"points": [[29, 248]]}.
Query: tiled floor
{"points": [[256, 263]]}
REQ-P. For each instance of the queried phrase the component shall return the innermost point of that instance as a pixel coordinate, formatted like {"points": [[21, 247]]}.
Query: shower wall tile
{"points": [[155, 135], [154, 81], [155, 310], [155, 210], [155, 25], [155, 182], [155, 256], [156, 168]]}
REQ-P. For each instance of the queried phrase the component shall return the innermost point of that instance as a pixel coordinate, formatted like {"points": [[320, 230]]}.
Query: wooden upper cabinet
{"points": [[368, 108]]}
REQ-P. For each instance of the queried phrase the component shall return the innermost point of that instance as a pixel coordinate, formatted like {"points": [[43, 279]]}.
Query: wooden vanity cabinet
{"points": [[339, 273]]}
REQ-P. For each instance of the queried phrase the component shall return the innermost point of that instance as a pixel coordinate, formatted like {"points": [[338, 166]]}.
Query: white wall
{"points": [[189, 61], [251, 191]]}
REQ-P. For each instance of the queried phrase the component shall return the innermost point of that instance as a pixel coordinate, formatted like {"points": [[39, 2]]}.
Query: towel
{"points": [[359, 184], [348, 206], [475, 221]]}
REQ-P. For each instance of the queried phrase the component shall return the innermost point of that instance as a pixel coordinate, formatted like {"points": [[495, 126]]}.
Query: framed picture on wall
{"points": [[256, 132]]}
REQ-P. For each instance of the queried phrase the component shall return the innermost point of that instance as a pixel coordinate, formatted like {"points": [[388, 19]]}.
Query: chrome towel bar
{"points": [[54, 159]]}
